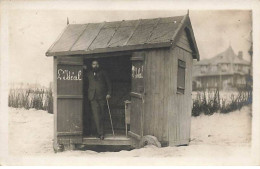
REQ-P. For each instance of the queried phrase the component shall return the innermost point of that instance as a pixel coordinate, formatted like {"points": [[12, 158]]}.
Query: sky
{"points": [[32, 32]]}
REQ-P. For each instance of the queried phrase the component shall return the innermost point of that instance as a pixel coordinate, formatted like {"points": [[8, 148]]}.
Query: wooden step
{"points": [[108, 140]]}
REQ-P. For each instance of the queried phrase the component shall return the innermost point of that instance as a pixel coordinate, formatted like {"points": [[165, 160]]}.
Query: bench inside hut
{"points": [[118, 69]]}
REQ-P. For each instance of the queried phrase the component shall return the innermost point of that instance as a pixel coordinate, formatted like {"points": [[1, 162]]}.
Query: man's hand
{"points": [[108, 96]]}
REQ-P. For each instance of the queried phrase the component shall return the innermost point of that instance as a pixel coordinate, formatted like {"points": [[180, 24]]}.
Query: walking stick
{"points": [[110, 117]]}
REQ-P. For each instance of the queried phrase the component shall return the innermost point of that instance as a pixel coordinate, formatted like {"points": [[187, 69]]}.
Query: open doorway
{"points": [[118, 69]]}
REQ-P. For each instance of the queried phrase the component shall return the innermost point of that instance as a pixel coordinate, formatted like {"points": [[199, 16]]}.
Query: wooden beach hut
{"points": [[149, 62]]}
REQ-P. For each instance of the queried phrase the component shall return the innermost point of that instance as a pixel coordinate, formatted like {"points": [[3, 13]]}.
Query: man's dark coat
{"points": [[98, 85]]}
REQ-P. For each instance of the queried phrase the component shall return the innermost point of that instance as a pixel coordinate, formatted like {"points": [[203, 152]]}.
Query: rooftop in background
{"points": [[121, 36], [225, 63], [228, 56]]}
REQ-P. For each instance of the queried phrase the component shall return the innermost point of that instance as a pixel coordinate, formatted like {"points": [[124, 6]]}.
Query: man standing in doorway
{"points": [[99, 89]]}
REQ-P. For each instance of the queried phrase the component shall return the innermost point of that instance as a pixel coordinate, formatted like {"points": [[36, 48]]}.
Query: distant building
{"points": [[224, 71]]}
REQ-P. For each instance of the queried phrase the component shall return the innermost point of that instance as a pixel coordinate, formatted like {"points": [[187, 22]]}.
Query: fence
{"points": [[206, 102], [209, 102], [40, 99]]}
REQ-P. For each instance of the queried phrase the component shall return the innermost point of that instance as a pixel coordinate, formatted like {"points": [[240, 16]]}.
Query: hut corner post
{"points": [[55, 139]]}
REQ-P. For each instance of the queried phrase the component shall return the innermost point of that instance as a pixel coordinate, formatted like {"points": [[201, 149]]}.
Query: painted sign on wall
{"points": [[65, 74], [137, 72]]}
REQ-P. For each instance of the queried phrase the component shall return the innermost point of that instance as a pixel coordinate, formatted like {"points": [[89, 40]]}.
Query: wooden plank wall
{"points": [[168, 114], [68, 101], [179, 105], [155, 116], [69, 116], [135, 117]]}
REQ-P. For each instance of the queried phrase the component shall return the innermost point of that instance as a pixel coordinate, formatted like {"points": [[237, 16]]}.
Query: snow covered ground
{"points": [[217, 139]]}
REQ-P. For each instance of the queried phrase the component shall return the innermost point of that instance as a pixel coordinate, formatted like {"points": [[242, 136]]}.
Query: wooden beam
{"points": [[138, 55], [70, 96], [138, 95], [184, 48], [113, 49], [69, 63], [107, 141], [69, 133], [134, 135]]}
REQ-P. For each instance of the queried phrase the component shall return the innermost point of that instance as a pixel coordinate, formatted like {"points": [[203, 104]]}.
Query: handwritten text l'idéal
{"points": [[69, 75]]}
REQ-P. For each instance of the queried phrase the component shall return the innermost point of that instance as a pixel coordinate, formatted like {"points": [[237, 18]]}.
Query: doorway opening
{"points": [[118, 69]]}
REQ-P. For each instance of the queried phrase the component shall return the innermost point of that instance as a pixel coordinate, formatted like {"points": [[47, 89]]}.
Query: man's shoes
{"points": [[101, 137]]}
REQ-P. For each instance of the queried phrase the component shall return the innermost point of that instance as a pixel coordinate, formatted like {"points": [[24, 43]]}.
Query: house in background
{"points": [[225, 71]]}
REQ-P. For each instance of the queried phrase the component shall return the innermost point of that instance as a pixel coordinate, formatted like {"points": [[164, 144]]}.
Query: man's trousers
{"points": [[98, 110]]}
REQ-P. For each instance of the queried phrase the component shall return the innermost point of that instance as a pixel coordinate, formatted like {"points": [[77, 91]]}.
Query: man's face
{"points": [[95, 65]]}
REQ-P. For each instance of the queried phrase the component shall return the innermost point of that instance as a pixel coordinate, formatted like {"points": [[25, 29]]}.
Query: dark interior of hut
{"points": [[118, 69]]}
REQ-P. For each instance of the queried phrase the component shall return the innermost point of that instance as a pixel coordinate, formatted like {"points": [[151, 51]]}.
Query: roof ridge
{"points": [[127, 20]]}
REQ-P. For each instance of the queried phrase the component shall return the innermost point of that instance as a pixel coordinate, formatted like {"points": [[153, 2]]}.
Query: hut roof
{"points": [[122, 36]]}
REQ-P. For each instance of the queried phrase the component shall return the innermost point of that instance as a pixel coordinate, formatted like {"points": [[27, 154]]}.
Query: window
{"points": [[214, 68], [224, 67], [234, 67], [203, 69], [181, 77], [240, 68]]}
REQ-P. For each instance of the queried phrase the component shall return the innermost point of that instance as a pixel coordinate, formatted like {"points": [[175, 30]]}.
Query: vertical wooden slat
{"points": [[55, 97], [158, 57], [189, 94], [177, 98], [161, 108], [155, 93], [176, 107], [147, 94], [154, 88], [168, 93], [149, 113], [182, 113], [166, 96], [152, 96], [171, 119]]}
